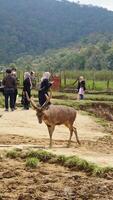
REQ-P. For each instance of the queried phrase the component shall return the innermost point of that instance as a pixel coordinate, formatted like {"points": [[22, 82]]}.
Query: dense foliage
{"points": [[95, 52], [29, 27]]}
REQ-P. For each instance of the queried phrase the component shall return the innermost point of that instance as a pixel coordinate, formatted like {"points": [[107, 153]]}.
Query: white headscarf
{"points": [[26, 75], [81, 78], [13, 73], [46, 75]]}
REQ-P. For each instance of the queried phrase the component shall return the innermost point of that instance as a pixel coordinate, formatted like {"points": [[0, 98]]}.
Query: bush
{"points": [[12, 154], [61, 159], [32, 162], [41, 155]]}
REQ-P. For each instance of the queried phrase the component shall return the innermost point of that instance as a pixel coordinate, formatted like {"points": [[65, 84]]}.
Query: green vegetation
{"points": [[1, 101], [13, 154], [60, 97], [32, 162], [87, 57], [33, 157], [41, 155], [52, 27]]}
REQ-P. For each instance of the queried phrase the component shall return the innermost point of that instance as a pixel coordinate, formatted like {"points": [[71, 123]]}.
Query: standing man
{"points": [[9, 84]]}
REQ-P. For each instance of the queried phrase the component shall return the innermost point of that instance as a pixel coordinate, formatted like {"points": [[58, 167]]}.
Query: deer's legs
{"points": [[71, 134], [50, 129], [76, 135]]}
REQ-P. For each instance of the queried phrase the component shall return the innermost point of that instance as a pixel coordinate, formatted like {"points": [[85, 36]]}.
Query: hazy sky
{"points": [[102, 3]]}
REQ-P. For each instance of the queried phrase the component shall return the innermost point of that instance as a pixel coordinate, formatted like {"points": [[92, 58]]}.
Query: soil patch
{"points": [[22, 128], [49, 182]]}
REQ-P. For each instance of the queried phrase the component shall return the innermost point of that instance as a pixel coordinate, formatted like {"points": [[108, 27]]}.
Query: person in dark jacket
{"points": [[14, 74], [45, 87], [81, 88], [26, 94], [9, 84]]}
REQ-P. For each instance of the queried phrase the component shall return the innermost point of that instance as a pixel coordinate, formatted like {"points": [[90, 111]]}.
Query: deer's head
{"points": [[39, 110]]}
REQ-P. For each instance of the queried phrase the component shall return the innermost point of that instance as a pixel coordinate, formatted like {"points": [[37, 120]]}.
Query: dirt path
{"points": [[21, 128]]}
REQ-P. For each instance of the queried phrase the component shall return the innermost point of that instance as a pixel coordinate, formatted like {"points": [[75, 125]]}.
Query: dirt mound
{"points": [[100, 109], [49, 182]]}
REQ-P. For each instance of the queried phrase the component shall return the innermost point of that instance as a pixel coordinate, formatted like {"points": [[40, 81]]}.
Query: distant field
{"points": [[90, 84], [101, 80]]}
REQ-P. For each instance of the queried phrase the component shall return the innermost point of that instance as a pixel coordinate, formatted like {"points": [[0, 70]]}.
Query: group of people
{"points": [[10, 91], [43, 93], [10, 83]]}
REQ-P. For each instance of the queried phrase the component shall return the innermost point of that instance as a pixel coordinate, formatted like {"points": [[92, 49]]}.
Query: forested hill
{"points": [[29, 27]]}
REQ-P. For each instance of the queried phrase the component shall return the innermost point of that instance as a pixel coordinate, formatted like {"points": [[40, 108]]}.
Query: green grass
{"points": [[1, 100], [32, 162], [73, 96], [33, 158], [99, 85], [40, 154], [71, 162], [1, 76], [100, 77], [13, 154], [90, 85]]}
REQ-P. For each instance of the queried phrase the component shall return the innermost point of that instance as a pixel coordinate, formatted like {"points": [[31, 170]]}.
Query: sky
{"points": [[101, 3]]}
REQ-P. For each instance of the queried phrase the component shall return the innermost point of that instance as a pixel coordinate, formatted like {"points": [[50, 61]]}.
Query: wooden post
{"points": [[60, 79], [107, 84], [64, 79], [93, 85]]}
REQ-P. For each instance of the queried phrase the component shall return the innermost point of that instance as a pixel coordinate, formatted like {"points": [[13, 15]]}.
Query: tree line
{"points": [[32, 27], [92, 53]]}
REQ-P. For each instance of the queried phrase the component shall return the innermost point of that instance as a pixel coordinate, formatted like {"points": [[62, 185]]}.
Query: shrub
{"points": [[41, 155], [32, 162], [12, 154], [61, 159]]}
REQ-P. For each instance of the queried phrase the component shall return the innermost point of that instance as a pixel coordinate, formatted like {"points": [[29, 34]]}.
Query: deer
{"points": [[53, 115]]}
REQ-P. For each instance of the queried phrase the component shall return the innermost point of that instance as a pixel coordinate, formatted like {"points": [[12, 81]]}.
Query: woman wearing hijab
{"points": [[81, 88], [27, 85], [45, 87]]}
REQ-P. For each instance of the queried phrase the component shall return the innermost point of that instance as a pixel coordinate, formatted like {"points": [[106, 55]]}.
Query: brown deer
{"points": [[56, 115]]}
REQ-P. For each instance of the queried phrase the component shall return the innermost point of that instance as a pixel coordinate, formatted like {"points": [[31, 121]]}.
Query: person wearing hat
{"points": [[9, 84]]}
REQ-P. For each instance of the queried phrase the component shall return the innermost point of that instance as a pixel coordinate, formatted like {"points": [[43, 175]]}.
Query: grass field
{"points": [[67, 98], [90, 84]]}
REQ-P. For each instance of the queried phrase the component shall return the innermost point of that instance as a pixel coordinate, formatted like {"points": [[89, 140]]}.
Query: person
{"points": [[9, 84], [33, 78], [44, 89], [81, 88], [26, 94], [1, 87], [14, 74]]}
